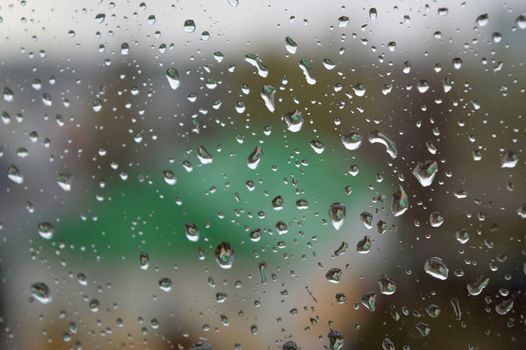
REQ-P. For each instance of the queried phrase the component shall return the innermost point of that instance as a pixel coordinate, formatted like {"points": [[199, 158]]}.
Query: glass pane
{"points": [[238, 174]]}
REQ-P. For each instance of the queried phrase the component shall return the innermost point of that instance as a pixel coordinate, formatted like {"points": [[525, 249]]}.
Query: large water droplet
{"points": [[40, 291], [337, 213], [294, 121], [476, 287], [255, 157], [400, 202], [224, 255], [379, 137], [267, 94], [352, 140], [425, 172], [192, 233], [435, 267], [173, 78]]}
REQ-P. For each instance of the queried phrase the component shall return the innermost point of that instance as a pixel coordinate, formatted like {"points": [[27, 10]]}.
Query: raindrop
{"points": [[400, 202], [435, 267], [352, 140], [224, 255], [294, 121], [192, 233], [379, 137], [425, 172], [337, 213], [255, 157], [40, 291], [173, 78], [45, 230]]}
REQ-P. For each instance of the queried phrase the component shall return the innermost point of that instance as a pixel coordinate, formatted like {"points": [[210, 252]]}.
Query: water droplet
{"points": [[306, 69], [343, 21], [423, 328], [387, 285], [294, 121], [504, 307], [233, 3], [173, 78], [509, 160], [204, 156], [388, 344], [337, 212], [483, 19], [255, 157], [277, 203], [8, 94], [291, 45], [40, 291], [290, 345], [14, 174], [521, 22], [256, 62], [262, 267], [456, 308], [364, 245], [64, 181], [425, 172], [373, 14], [435, 267], [267, 94], [334, 275], [192, 233], [368, 300], [317, 146], [224, 255], [367, 219], [379, 137], [165, 284], [476, 287], [99, 18], [45, 230], [400, 202], [169, 177], [144, 260], [341, 249], [352, 140], [422, 86], [336, 340], [436, 219], [433, 310], [189, 26]]}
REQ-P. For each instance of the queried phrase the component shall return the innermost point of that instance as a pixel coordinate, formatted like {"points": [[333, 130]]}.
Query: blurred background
{"points": [[137, 137]]}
